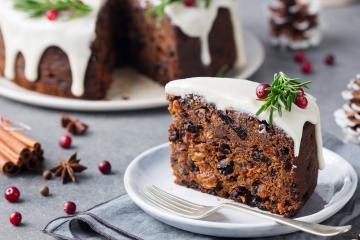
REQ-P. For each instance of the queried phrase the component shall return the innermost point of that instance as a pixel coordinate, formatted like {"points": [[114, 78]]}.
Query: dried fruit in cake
{"points": [[239, 152]]}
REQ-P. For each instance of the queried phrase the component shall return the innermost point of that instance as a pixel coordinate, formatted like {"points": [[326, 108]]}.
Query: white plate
{"points": [[142, 92], [336, 185]]}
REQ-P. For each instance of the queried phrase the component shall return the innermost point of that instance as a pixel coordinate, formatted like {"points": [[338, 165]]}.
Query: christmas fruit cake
{"points": [[69, 48], [235, 139]]}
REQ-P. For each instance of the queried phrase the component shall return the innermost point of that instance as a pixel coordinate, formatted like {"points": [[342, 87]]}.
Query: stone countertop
{"points": [[119, 137]]}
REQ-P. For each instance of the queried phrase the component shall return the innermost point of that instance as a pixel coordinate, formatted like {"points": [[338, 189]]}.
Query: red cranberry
{"points": [[301, 101], [262, 91], [65, 141], [307, 67], [69, 207], [302, 94], [329, 60], [12, 194], [189, 3], [299, 56], [52, 14], [104, 167], [15, 218]]}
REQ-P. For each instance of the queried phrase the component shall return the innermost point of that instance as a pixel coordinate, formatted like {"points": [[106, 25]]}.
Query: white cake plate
{"points": [[130, 90], [336, 185]]}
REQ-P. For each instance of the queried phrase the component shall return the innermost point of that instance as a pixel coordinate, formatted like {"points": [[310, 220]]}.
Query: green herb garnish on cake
{"points": [[159, 9], [281, 95], [52, 8]]}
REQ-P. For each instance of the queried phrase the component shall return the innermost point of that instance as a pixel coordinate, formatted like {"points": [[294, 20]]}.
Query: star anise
{"points": [[66, 169]]}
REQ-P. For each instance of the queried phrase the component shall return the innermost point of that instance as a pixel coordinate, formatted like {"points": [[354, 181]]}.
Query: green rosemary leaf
{"points": [[222, 71], [282, 96], [38, 8], [262, 109], [158, 10], [207, 3]]}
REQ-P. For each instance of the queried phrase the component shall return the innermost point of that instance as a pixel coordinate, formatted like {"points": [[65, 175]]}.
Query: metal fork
{"points": [[187, 209]]}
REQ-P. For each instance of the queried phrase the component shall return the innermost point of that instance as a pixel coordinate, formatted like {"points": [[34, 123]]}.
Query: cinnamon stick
{"points": [[36, 152], [7, 167], [33, 164], [21, 137], [6, 151], [15, 145]]}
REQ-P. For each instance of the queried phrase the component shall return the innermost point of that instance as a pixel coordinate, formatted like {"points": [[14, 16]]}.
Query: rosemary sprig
{"points": [[38, 8], [222, 71], [159, 9], [282, 95]]}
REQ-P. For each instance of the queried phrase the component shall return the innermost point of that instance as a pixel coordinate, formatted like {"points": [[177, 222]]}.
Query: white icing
{"points": [[198, 21], [32, 36], [239, 95]]}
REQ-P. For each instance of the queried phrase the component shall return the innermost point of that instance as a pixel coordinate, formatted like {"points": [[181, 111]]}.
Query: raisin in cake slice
{"points": [[220, 146]]}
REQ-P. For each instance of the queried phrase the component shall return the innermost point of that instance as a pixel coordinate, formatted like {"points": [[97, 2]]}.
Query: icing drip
{"points": [[197, 22], [239, 95], [32, 36]]}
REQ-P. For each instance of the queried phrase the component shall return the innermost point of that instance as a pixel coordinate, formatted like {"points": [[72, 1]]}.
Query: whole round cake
{"points": [[70, 48], [225, 141]]}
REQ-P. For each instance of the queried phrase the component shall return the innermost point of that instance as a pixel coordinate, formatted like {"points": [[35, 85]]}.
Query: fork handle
{"points": [[313, 228]]}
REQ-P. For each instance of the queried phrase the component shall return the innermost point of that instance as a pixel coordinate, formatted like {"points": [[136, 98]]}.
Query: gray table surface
{"points": [[119, 137]]}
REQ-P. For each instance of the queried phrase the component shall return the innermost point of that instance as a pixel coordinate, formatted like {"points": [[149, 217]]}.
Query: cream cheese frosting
{"points": [[240, 95]]}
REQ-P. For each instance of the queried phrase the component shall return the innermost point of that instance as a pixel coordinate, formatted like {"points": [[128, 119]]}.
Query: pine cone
{"points": [[348, 117], [294, 23]]}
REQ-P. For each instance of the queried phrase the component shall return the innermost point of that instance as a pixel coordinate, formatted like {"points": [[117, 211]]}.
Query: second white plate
{"points": [[130, 90], [336, 185]]}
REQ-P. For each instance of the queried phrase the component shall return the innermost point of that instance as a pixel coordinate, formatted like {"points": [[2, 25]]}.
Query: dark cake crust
{"points": [[235, 155]]}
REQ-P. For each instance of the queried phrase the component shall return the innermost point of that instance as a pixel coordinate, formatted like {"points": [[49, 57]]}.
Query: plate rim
{"points": [[314, 218], [25, 96]]}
